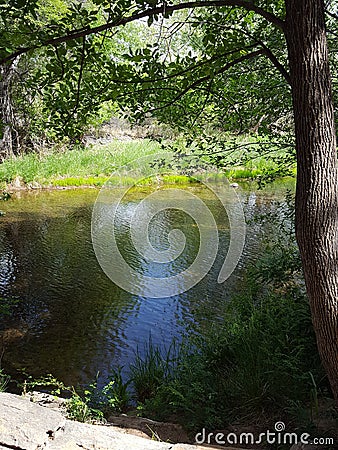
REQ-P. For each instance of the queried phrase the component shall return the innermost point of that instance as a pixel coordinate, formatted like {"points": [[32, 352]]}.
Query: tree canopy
{"points": [[218, 62], [72, 61]]}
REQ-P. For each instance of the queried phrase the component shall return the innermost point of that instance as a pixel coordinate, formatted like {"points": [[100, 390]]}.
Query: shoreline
{"points": [[18, 185], [93, 166]]}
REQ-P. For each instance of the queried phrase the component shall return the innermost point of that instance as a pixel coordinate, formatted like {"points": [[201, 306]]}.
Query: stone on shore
{"points": [[25, 425]]}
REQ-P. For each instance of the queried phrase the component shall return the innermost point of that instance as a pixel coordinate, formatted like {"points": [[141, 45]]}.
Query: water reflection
{"points": [[68, 318]]}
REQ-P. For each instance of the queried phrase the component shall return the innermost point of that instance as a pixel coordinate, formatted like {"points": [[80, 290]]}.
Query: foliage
{"points": [[93, 165], [220, 68], [98, 162], [246, 156], [77, 406], [180, 69], [114, 397], [148, 373], [63, 86], [86, 404], [4, 380], [254, 366]]}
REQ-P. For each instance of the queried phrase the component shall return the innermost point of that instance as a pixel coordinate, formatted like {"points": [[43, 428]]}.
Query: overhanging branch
{"points": [[270, 55], [76, 34], [268, 52], [209, 77]]}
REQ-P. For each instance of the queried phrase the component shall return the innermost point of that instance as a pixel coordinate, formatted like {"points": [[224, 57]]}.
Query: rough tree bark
{"points": [[317, 180], [9, 141]]}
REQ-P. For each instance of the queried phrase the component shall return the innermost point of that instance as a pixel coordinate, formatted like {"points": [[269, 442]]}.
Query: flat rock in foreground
{"points": [[25, 425]]}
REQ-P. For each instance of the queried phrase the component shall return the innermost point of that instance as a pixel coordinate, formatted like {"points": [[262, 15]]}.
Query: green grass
{"points": [[4, 380], [239, 174], [79, 181], [252, 367], [93, 166], [148, 373], [261, 169], [122, 181], [89, 166]]}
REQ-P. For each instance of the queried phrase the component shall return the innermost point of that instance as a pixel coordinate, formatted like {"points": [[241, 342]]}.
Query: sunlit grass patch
{"points": [[91, 162], [237, 174], [124, 162], [79, 181]]}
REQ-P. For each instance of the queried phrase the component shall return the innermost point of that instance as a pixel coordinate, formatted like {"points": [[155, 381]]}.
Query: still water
{"points": [[66, 317]]}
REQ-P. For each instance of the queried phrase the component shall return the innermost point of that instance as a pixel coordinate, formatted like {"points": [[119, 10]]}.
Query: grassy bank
{"points": [[82, 166], [92, 166]]}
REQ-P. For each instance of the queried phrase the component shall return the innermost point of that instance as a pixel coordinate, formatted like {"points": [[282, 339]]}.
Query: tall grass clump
{"points": [[95, 161], [151, 369]]}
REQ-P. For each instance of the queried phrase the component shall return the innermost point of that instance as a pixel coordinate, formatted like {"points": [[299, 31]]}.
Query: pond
{"points": [[66, 317]]}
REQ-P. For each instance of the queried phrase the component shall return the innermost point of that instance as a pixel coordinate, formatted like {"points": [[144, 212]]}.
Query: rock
{"points": [[48, 401], [29, 426], [169, 432], [18, 183], [34, 185], [76, 435], [25, 425]]}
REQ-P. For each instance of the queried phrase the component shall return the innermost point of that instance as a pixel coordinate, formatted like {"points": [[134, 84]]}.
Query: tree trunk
{"points": [[317, 181], [9, 141]]}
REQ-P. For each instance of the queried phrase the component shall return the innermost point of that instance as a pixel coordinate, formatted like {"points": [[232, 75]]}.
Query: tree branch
{"points": [[236, 147], [331, 14], [82, 62], [276, 63], [76, 34], [208, 77], [184, 71], [270, 55], [204, 103]]}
